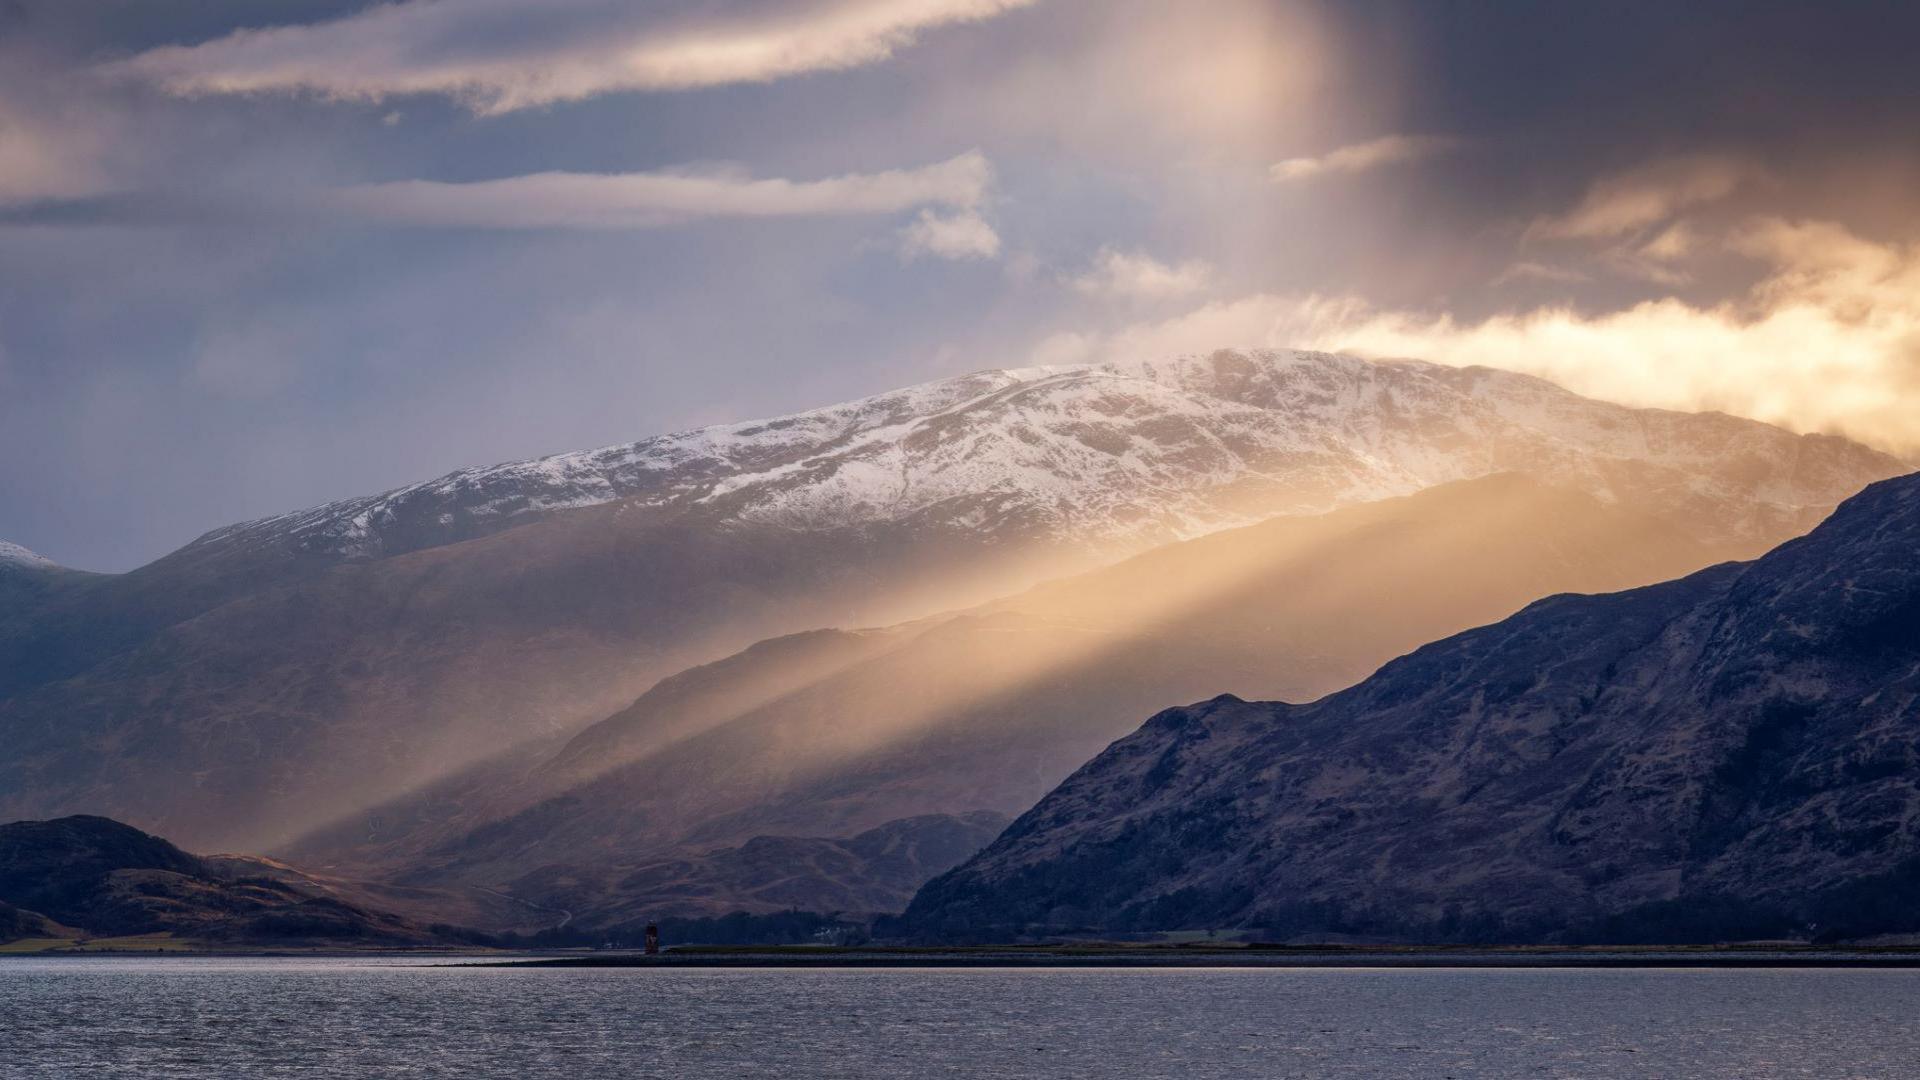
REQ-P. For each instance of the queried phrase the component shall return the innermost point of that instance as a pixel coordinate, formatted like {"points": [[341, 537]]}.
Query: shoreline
{"points": [[1246, 958], [984, 957]]}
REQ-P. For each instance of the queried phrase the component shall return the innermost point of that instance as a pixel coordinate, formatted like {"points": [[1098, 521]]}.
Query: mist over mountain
{"points": [[1729, 755], [676, 804], [291, 671]]}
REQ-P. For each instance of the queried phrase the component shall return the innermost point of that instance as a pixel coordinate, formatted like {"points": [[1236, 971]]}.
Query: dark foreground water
{"points": [[81, 1018]]}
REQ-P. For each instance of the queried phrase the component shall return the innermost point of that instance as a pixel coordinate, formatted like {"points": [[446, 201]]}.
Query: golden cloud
{"points": [[1827, 340], [1631, 200]]}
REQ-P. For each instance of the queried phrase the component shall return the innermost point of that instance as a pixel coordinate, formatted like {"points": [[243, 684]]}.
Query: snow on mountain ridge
{"points": [[14, 555], [1131, 453]]}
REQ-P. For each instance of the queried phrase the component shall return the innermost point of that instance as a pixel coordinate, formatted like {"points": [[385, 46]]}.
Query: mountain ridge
{"points": [[1729, 754]]}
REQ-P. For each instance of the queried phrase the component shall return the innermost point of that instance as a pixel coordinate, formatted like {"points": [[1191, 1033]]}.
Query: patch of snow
{"points": [[15, 555]]}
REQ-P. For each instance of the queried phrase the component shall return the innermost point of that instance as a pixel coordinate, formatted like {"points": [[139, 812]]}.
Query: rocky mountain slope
{"points": [[289, 671], [97, 877], [831, 733], [1735, 754]]}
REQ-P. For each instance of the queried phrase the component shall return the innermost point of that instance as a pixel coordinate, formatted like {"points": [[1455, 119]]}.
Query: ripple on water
{"points": [[176, 1017]]}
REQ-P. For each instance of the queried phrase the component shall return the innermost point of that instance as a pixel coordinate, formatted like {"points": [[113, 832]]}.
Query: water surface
{"points": [[182, 1017]]}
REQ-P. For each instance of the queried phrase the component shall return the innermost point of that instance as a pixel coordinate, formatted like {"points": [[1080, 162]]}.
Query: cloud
{"points": [[1676, 242], [497, 56], [1654, 260], [653, 199], [1652, 193], [1529, 270], [1361, 157], [39, 163], [1262, 319], [1827, 340], [963, 235], [1068, 348], [1138, 276], [53, 144]]}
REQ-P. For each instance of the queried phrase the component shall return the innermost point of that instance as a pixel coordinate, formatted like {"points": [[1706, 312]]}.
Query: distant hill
{"points": [[1732, 755], [98, 877], [875, 871]]}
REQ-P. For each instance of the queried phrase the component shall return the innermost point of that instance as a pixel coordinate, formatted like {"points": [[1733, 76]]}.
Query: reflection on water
{"points": [[81, 1017]]}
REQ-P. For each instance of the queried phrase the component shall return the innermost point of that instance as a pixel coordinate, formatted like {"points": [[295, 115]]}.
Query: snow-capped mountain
{"points": [[1134, 453]]}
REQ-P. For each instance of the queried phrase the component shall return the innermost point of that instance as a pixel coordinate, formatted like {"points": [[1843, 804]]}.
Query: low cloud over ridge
{"points": [[1139, 276], [1827, 340]]}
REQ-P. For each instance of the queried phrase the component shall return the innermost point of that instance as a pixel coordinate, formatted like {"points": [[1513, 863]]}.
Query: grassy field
{"points": [[141, 943]]}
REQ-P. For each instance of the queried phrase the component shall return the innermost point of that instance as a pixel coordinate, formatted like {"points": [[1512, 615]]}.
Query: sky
{"points": [[257, 256]]}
